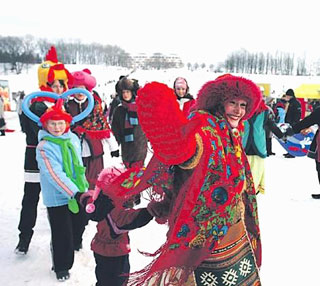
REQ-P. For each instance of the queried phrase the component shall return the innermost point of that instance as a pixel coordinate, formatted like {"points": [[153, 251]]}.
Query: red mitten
{"points": [[165, 125]]}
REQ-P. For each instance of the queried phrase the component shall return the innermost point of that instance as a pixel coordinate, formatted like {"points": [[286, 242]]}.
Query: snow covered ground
{"points": [[289, 221]]}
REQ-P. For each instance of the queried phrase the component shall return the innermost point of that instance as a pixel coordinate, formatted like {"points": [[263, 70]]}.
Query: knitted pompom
{"points": [[118, 184]]}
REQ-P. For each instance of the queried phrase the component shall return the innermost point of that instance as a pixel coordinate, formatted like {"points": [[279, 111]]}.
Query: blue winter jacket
{"points": [[56, 187]]}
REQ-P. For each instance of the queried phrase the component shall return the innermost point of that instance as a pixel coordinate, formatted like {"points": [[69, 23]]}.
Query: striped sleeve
{"points": [[53, 170]]}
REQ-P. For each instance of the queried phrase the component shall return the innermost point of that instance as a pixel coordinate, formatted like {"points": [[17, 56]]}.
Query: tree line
{"points": [[19, 52], [22, 51], [279, 63]]}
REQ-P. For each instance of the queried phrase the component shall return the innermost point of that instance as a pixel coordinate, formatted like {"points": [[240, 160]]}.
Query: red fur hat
{"points": [[85, 78], [214, 93], [56, 112]]}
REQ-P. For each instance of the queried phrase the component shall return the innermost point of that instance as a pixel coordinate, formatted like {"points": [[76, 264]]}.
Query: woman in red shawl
{"points": [[201, 171]]}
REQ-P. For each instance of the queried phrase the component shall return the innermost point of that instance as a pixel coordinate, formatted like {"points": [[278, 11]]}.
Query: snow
{"points": [[287, 214]]}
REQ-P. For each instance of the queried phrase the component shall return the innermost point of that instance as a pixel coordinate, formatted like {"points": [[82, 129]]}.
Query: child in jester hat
{"points": [[62, 179]]}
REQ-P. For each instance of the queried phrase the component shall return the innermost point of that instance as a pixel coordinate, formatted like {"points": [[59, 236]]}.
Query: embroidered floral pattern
{"points": [[217, 202]]}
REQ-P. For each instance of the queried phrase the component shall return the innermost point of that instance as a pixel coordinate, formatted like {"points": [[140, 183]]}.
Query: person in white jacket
{"points": [[93, 130]]}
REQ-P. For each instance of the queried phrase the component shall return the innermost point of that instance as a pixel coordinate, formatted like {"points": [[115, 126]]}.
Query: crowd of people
{"points": [[206, 171]]}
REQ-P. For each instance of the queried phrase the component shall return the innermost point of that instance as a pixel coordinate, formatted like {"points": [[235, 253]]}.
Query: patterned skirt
{"points": [[232, 264]]}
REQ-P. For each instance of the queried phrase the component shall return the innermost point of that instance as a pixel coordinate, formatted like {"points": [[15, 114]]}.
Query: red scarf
{"points": [[95, 125]]}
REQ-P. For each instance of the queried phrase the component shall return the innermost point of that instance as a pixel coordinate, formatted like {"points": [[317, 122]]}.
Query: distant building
{"points": [[156, 61]]}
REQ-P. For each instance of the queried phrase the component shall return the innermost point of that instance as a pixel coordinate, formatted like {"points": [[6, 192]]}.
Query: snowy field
{"points": [[289, 222]]}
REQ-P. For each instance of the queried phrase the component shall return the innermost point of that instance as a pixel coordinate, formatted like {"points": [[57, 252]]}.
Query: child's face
{"points": [[80, 96], [126, 95], [56, 127], [181, 91]]}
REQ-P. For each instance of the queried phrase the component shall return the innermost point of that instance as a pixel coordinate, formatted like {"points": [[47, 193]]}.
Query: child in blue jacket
{"points": [[62, 179]]}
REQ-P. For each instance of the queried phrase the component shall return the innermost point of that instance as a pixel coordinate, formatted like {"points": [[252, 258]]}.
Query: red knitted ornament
{"points": [[171, 134], [56, 112]]}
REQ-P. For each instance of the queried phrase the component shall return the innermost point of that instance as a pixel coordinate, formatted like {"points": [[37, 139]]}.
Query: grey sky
{"points": [[204, 30]]}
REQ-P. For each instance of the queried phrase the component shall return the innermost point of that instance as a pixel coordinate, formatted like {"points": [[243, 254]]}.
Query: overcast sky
{"points": [[203, 30]]}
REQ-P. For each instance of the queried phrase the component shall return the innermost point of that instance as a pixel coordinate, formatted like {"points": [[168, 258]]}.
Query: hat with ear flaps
{"points": [[214, 93], [56, 112], [127, 84], [51, 69]]}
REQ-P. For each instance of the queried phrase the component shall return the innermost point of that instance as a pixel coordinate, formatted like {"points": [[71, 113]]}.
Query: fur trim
{"points": [[94, 134], [214, 93], [127, 84]]}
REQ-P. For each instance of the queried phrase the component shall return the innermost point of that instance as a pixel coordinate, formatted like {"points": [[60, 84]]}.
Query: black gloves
{"points": [[103, 206], [77, 197], [115, 153], [289, 132]]}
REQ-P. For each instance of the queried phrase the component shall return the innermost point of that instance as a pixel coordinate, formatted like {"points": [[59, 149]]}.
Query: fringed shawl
{"points": [[205, 206]]}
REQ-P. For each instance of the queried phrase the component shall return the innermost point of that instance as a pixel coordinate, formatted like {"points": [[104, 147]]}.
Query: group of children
{"points": [[68, 156]]}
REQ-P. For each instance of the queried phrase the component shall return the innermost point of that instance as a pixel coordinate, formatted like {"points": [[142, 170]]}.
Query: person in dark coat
{"points": [[303, 126], [111, 243], [54, 77], [2, 120], [293, 113], [126, 128], [115, 100]]}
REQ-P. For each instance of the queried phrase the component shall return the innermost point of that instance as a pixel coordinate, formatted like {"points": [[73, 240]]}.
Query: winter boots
{"points": [[23, 246], [63, 275], [78, 246]]}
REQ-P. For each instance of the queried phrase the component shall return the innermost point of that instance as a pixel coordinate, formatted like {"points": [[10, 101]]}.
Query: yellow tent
{"points": [[265, 88], [308, 91]]}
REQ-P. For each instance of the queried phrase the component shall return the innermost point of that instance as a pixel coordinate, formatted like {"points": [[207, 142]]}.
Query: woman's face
{"points": [[126, 95], [235, 109], [57, 87], [181, 91]]}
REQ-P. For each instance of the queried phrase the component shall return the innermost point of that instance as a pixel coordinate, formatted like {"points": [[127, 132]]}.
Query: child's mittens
{"points": [[103, 205]]}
